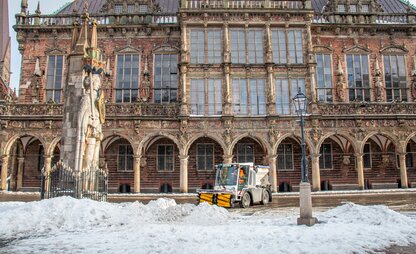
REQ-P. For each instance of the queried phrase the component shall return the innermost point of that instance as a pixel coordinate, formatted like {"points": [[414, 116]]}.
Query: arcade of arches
{"points": [[167, 163]]}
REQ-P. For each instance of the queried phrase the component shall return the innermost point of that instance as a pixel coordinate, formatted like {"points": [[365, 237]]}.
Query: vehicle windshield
{"points": [[227, 175]]}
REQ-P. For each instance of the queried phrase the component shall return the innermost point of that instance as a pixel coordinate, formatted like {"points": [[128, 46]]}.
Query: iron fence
{"points": [[63, 181]]}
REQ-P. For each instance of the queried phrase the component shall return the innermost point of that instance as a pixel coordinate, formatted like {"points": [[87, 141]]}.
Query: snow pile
{"points": [[162, 226], [19, 220]]}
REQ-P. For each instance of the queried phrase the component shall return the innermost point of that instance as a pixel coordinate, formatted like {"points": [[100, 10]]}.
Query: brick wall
{"points": [[31, 167]]}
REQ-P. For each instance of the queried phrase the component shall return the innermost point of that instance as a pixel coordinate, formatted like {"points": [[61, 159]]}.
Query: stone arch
{"points": [[50, 149], [14, 138], [408, 138], [151, 138], [118, 159], [308, 142], [265, 145], [201, 169], [384, 145], [346, 136], [108, 140], [196, 136]]}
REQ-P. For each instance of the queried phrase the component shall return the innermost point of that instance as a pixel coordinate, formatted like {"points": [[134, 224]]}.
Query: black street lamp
{"points": [[300, 102]]}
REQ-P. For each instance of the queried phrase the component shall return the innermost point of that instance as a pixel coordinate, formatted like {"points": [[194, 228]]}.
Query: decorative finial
{"points": [[38, 9], [23, 7], [86, 7], [94, 42]]}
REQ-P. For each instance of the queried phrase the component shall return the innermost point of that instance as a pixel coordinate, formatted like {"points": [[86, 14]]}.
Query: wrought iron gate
{"points": [[63, 181]]}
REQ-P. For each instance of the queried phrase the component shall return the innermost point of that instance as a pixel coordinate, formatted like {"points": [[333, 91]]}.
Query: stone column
{"points": [[183, 183], [273, 172], [12, 183], [4, 171], [403, 170], [184, 69], [184, 38], [184, 94], [311, 62], [20, 161], [316, 173], [271, 97], [227, 80], [48, 165], [136, 169], [227, 53], [227, 158], [360, 170]]}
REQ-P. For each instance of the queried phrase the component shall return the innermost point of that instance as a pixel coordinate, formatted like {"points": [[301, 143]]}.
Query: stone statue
{"points": [[341, 85], [91, 132], [378, 83]]}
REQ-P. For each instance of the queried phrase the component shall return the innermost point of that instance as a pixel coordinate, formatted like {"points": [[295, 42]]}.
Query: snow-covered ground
{"points": [[66, 225]]}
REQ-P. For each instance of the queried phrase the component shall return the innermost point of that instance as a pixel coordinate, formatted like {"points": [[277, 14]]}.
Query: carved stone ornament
{"points": [[340, 82], [273, 134], [385, 159], [378, 82], [346, 160], [145, 87]]}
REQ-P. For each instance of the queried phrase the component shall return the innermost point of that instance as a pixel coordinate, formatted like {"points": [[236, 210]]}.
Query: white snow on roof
{"points": [[66, 225]]}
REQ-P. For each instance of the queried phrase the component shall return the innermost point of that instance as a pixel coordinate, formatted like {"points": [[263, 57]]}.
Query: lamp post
{"points": [[305, 200]]}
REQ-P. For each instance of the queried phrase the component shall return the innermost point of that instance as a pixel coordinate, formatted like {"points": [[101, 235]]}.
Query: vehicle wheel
{"points": [[265, 198], [245, 200]]}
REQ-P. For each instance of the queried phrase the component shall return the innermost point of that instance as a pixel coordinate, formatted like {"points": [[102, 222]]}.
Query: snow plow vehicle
{"points": [[238, 183]]}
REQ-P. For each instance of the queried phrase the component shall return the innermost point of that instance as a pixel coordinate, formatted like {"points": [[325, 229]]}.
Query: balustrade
{"points": [[101, 19], [244, 4]]}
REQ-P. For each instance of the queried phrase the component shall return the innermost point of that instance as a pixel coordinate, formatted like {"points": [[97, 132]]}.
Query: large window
{"points": [[165, 158], [324, 77], [395, 77], [285, 157], [247, 46], [127, 82], [249, 96], [358, 77], [287, 45], [206, 96], [325, 161], [206, 46], [166, 78], [205, 157], [125, 158], [286, 89], [54, 78], [245, 153]]}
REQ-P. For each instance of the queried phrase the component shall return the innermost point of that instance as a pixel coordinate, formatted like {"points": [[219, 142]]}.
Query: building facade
{"points": [[196, 83]]}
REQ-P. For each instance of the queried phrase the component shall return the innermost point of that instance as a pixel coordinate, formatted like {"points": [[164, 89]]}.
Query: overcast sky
{"points": [[46, 7]]}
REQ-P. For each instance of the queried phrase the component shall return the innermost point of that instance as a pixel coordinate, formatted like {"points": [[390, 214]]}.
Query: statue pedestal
{"points": [[305, 204]]}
